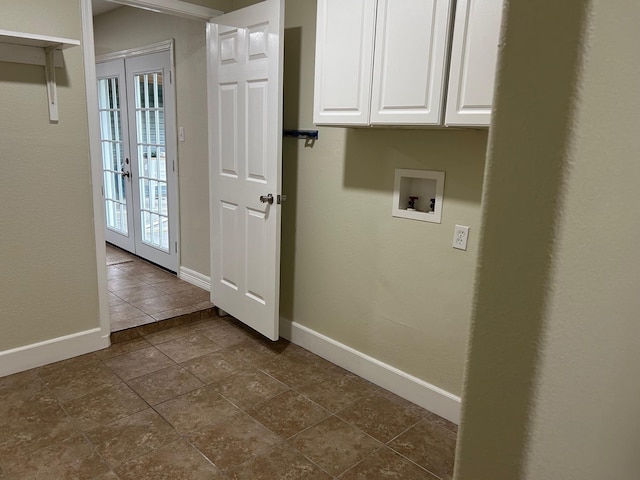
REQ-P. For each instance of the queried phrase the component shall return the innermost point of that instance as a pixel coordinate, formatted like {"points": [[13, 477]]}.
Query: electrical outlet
{"points": [[460, 237]]}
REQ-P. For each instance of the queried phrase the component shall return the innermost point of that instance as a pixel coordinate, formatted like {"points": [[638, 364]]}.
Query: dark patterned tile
{"points": [[104, 405], [224, 334], [385, 464], [177, 461], [76, 377], [249, 388], [33, 431], [288, 413], [234, 440], [165, 384], [196, 410], [334, 445], [120, 348], [442, 422], [74, 458], [21, 394], [379, 417], [283, 462], [337, 390], [132, 436], [430, 446], [140, 362], [188, 347], [216, 366]]}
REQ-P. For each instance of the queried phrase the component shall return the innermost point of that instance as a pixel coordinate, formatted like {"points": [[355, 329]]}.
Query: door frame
{"points": [[160, 47], [170, 7]]}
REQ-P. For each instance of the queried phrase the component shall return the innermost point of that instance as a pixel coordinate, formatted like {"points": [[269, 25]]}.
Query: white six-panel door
{"points": [[245, 143]]}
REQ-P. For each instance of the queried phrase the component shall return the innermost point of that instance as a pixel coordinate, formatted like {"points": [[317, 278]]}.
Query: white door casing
{"points": [[245, 52], [140, 164], [474, 53]]}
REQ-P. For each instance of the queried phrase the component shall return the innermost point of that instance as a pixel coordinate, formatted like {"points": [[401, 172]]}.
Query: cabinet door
{"points": [[410, 62], [474, 53], [344, 57]]}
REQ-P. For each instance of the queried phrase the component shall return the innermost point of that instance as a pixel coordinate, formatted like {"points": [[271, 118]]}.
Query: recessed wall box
{"points": [[421, 188]]}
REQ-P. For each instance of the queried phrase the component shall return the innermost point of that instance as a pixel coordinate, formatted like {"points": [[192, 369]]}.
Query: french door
{"points": [[136, 101]]}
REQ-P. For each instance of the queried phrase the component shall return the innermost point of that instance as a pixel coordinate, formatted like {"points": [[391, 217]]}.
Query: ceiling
{"points": [[102, 6]]}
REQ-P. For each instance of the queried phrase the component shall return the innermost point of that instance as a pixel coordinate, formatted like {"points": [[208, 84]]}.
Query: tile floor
{"points": [[141, 293], [212, 400]]}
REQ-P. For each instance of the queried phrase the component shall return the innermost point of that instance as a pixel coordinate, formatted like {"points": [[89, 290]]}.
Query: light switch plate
{"points": [[460, 237]]}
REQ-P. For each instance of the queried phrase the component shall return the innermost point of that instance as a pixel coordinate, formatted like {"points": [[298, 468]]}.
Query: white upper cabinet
{"points": [[344, 60], [473, 62], [385, 62], [409, 62]]}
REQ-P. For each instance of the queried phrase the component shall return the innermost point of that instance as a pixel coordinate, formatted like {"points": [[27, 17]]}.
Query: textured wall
{"points": [[131, 27], [48, 285], [391, 288], [551, 390]]}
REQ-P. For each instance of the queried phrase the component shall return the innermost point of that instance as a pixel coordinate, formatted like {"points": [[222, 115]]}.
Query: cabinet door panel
{"points": [[344, 57], [474, 54], [409, 65]]}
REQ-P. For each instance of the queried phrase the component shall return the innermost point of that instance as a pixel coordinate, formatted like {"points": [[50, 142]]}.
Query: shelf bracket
{"points": [[35, 49], [50, 76]]}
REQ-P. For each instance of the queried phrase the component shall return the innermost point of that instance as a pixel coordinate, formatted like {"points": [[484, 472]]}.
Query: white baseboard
{"points": [[53, 350], [195, 278], [402, 384]]}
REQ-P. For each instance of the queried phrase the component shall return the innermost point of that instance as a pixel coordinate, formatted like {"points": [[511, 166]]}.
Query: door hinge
{"points": [[102, 187], [176, 244], [174, 165], [171, 77]]}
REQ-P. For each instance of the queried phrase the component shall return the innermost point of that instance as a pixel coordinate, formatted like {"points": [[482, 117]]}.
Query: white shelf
{"points": [[34, 49], [35, 40]]}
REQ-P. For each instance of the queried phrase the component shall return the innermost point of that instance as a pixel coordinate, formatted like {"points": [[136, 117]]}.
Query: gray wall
{"points": [[552, 386], [48, 285], [125, 28], [391, 288]]}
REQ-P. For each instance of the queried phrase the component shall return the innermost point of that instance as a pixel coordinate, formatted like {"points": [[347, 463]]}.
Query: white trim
{"points": [[53, 350], [173, 7], [137, 51], [95, 153], [195, 278], [418, 391]]}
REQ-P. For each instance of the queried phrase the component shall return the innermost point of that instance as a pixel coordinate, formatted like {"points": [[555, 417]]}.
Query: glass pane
{"points": [[144, 194], [152, 163], [162, 164], [164, 234], [146, 226]]}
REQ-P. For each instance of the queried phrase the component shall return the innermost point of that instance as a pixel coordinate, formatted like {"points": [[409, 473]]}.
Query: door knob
{"points": [[266, 199], [125, 174]]}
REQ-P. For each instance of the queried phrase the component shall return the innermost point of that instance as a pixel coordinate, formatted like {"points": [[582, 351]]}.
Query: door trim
{"points": [[172, 7], [160, 47], [134, 52]]}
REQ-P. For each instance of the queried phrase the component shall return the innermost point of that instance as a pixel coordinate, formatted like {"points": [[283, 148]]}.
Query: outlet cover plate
{"points": [[460, 237]]}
